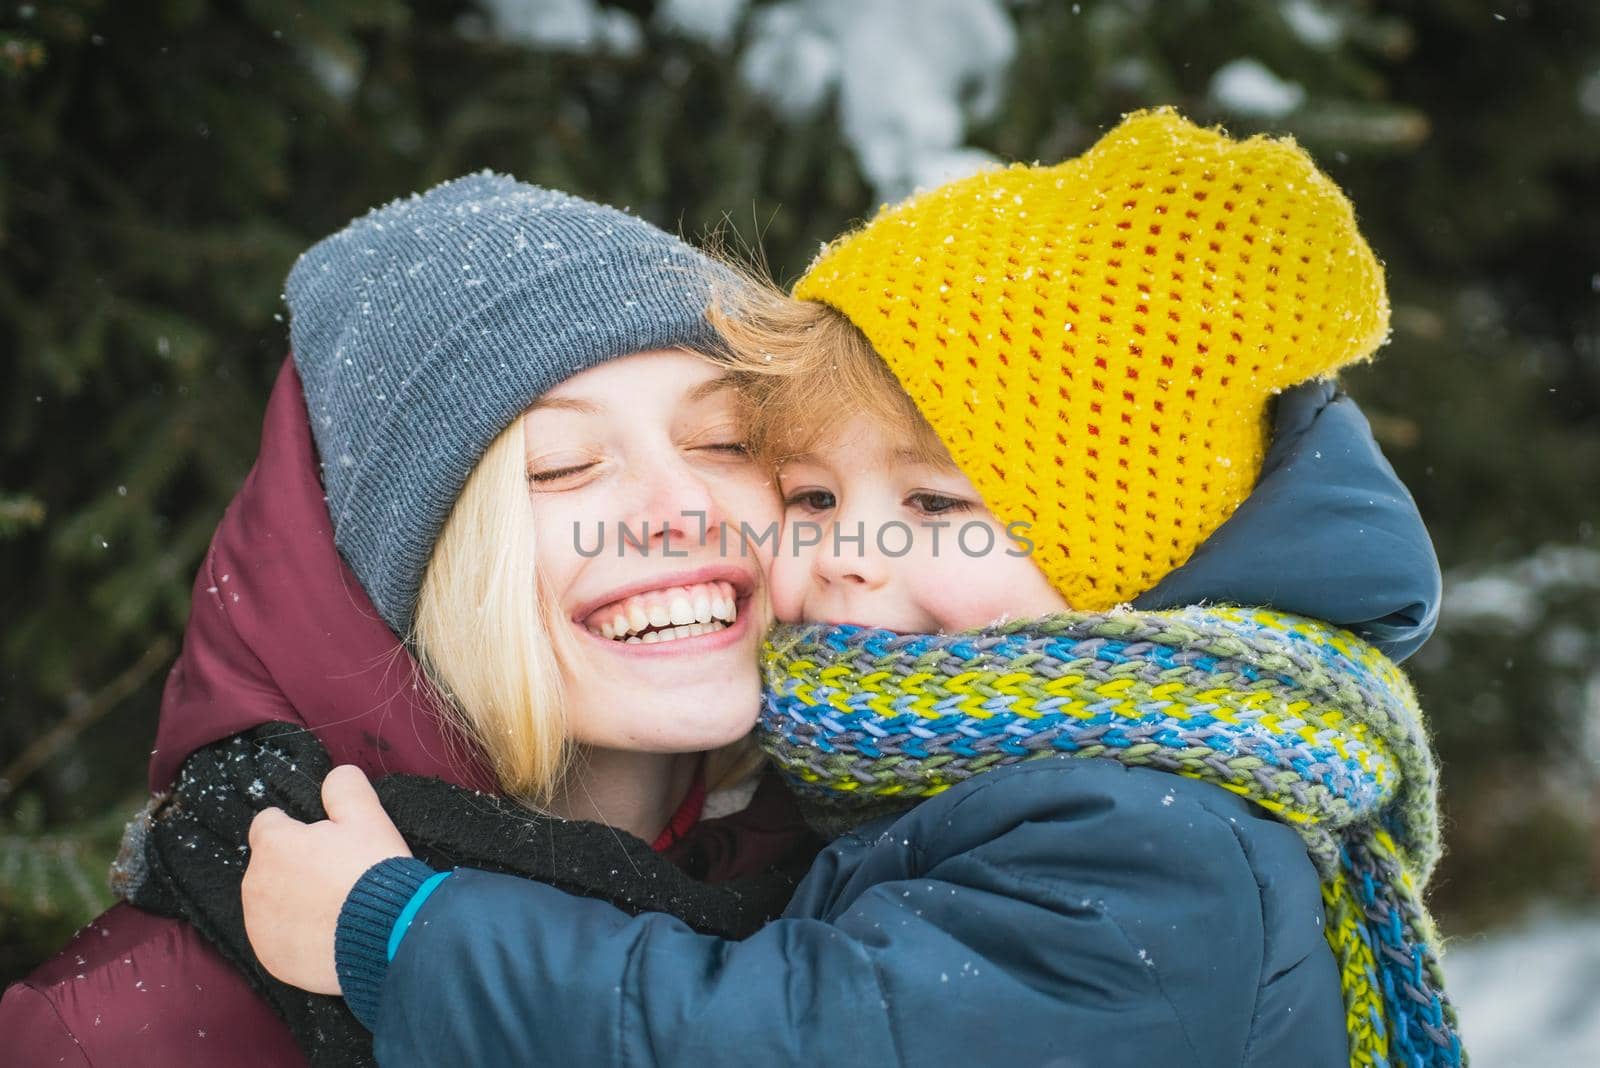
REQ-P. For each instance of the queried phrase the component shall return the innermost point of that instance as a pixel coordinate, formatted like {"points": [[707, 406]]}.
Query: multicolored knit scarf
{"points": [[1303, 719]]}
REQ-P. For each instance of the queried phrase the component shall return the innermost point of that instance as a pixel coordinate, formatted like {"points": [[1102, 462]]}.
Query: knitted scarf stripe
{"points": [[1300, 718]]}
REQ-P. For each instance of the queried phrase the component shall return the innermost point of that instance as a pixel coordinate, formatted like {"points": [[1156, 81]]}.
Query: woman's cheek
{"points": [[558, 531], [753, 515]]}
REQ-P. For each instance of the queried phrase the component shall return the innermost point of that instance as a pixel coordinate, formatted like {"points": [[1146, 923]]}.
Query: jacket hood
{"points": [[280, 630]]}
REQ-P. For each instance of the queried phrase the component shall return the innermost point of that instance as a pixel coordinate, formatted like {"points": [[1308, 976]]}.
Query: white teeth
{"points": [[670, 634], [685, 614], [682, 610]]}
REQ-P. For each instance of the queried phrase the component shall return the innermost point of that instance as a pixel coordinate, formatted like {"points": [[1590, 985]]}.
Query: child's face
{"points": [[929, 556]]}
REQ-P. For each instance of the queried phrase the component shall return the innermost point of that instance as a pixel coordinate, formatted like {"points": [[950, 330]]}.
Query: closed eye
{"points": [[556, 474]]}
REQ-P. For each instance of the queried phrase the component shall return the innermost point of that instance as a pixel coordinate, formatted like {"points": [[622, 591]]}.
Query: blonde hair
{"points": [[483, 628], [807, 370], [488, 635]]}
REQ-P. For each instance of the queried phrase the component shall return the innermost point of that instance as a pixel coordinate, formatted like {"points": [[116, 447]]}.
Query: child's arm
{"points": [[1054, 909]]}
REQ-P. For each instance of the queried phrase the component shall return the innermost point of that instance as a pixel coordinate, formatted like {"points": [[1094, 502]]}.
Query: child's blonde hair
{"points": [[488, 635], [807, 370]]}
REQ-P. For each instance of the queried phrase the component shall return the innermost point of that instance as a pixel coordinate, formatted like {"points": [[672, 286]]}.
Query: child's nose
{"points": [[865, 570]]}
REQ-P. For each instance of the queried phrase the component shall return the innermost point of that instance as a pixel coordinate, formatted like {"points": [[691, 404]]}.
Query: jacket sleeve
{"points": [[1052, 911]]}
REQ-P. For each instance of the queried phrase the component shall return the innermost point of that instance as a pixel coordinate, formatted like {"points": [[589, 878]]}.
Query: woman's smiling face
{"points": [[641, 485]]}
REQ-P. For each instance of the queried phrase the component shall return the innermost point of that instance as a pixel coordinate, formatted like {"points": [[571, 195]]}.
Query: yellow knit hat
{"points": [[1097, 342]]}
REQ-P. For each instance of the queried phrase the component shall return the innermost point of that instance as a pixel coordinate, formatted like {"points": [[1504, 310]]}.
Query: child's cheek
{"points": [[787, 584], [968, 602], [962, 591]]}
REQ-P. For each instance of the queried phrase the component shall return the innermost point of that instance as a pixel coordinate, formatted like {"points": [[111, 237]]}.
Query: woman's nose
{"points": [[676, 510]]}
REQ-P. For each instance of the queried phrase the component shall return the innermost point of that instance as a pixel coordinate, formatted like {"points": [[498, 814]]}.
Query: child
{"points": [[1041, 390], [1089, 353]]}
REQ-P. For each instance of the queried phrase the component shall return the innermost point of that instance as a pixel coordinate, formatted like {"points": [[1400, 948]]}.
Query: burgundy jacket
{"points": [[279, 630]]}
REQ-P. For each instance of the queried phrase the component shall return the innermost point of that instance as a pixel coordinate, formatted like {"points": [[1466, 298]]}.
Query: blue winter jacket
{"points": [[1063, 911]]}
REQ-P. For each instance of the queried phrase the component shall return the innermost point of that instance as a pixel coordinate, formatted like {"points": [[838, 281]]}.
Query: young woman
{"points": [[456, 355]]}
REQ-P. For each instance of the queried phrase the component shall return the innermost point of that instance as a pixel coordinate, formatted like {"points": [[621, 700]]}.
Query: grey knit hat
{"points": [[423, 328]]}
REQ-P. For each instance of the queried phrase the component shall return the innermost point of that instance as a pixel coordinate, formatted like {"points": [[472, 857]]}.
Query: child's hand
{"points": [[300, 874]]}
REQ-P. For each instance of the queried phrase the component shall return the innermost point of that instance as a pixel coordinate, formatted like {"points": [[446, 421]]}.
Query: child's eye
{"points": [[732, 448], [937, 503], [815, 500]]}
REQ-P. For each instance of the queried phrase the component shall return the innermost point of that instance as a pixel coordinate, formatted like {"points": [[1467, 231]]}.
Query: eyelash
{"points": [[557, 474], [956, 503], [732, 448], [795, 499]]}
